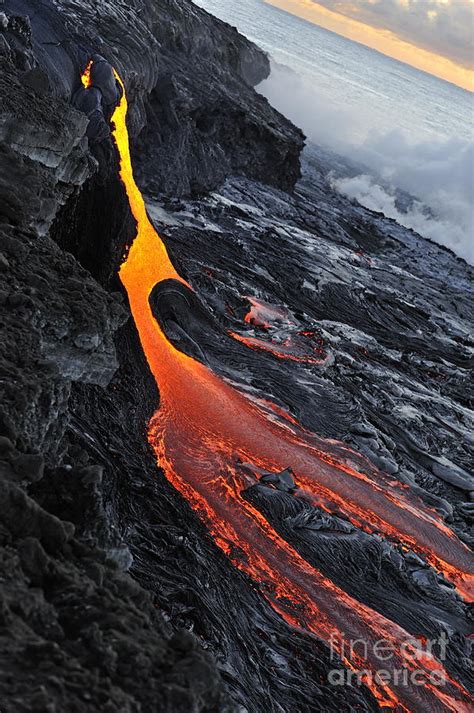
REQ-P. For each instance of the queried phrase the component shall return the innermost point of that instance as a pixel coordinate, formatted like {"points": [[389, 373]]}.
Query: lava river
{"points": [[204, 427]]}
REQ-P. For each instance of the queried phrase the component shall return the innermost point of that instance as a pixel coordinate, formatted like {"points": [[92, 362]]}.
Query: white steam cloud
{"points": [[373, 196], [438, 172]]}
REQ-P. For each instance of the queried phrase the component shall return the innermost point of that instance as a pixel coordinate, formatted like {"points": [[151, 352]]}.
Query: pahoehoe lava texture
{"points": [[367, 392], [383, 314]]}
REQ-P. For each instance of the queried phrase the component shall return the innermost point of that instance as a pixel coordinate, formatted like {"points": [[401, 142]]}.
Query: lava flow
{"points": [[283, 350], [204, 427], [86, 75], [263, 315]]}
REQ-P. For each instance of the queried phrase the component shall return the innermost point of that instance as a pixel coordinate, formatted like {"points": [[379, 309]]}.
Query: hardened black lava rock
{"points": [[77, 633]]}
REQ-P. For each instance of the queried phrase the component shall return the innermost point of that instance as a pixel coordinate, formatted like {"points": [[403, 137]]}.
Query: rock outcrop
{"points": [[189, 79], [204, 125], [76, 633], [58, 323]]}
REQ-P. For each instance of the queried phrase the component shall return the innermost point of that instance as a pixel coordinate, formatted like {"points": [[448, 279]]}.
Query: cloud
{"points": [[444, 27], [438, 172], [444, 231]]}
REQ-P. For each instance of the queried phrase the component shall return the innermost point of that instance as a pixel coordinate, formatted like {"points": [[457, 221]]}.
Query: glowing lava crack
{"points": [[201, 430]]}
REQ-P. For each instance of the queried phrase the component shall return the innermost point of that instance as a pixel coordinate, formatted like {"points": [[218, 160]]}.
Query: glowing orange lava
{"points": [[86, 75], [262, 315], [204, 427], [285, 350]]}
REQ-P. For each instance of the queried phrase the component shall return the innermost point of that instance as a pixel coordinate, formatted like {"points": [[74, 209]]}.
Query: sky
{"points": [[436, 36]]}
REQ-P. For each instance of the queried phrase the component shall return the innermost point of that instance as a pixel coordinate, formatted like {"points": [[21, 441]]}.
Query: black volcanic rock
{"points": [[76, 634], [283, 481], [208, 124], [189, 80]]}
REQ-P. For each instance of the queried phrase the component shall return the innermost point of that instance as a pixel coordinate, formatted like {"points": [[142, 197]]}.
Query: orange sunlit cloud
{"points": [[382, 40]]}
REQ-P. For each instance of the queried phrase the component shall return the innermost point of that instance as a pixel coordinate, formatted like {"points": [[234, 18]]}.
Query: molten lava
{"points": [[86, 75], [263, 314], [294, 348], [283, 350], [204, 427]]}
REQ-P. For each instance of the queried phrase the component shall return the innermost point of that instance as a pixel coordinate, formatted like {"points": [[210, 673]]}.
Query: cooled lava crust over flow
{"points": [[203, 433]]}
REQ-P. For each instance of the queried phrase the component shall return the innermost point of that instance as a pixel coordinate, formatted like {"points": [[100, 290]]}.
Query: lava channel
{"points": [[204, 426]]}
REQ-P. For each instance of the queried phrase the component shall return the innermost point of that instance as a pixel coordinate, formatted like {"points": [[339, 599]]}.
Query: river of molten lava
{"points": [[204, 427]]}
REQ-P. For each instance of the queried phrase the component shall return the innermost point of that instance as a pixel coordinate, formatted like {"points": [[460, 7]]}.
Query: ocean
{"points": [[405, 128]]}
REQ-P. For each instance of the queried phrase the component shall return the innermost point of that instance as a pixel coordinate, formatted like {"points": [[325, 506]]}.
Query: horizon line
{"points": [[463, 85]]}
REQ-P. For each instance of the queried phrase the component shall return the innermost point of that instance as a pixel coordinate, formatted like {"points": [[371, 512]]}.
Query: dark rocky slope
{"points": [[388, 309], [77, 634]]}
